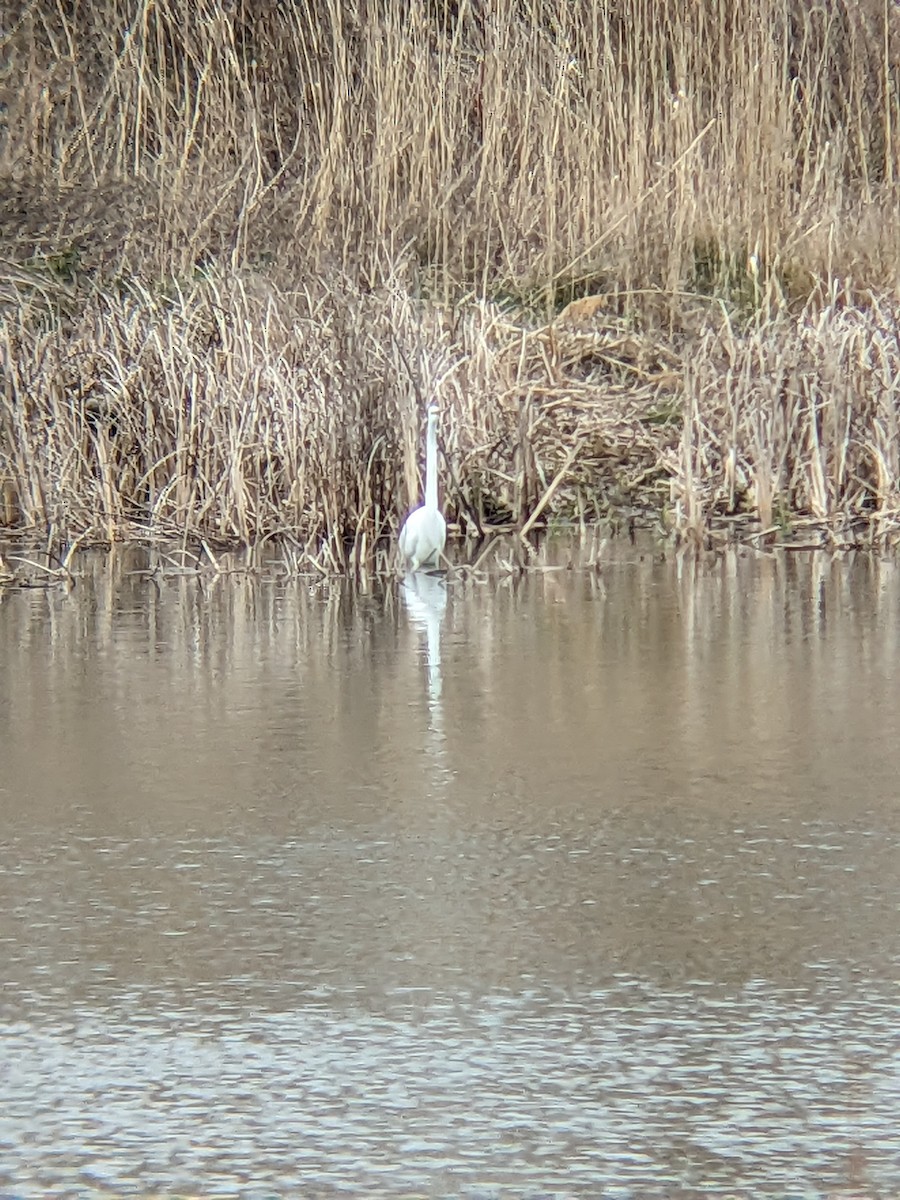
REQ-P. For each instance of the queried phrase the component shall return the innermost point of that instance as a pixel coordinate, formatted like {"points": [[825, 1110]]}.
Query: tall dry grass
{"points": [[241, 240]]}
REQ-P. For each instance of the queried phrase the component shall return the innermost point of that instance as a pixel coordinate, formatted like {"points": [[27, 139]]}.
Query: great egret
{"points": [[425, 530]]}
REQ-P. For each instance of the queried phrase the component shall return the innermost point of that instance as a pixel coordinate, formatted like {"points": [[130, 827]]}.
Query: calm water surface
{"points": [[571, 885]]}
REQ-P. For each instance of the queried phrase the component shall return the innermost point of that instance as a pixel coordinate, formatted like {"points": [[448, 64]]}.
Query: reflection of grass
{"points": [[616, 243]]}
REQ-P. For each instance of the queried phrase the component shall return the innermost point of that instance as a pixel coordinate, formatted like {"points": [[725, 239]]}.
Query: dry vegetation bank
{"points": [[645, 254]]}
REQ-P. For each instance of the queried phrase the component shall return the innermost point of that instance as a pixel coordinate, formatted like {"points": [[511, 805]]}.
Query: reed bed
{"points": [[645, 256], [796, 424]]}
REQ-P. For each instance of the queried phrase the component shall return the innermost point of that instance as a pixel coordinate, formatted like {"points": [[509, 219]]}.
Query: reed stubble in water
{"points": [[644, 256]]}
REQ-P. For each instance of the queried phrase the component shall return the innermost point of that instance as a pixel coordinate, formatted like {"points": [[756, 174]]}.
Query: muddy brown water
{"points": [[566, 885]]}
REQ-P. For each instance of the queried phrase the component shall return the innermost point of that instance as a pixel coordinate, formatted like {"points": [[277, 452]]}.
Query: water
{"points": [[574, 884]]}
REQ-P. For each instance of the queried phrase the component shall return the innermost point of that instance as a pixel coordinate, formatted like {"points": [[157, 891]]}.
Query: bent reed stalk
{"points": [[644, 256]]}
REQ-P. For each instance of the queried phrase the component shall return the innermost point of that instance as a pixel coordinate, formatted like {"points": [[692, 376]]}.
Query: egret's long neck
{"points": [[431, 499]]}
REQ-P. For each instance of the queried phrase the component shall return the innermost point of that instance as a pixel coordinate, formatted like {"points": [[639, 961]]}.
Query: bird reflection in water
{"points": [[425, 598]]}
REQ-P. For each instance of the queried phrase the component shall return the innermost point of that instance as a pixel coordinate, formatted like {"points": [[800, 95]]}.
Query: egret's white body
{"points": [[424, 531]]}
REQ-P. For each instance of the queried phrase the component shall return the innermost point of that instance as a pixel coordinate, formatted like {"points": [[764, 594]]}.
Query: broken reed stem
{"points": [[550, 490]]}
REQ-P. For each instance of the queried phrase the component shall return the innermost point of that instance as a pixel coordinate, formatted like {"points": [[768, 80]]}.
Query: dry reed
{"points": [[239, 244]]}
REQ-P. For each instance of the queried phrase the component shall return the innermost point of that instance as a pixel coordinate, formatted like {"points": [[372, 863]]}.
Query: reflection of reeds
{"points": [[243, 242]]}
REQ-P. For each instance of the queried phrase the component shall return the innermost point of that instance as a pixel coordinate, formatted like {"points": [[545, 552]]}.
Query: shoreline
{"points": [[502, 554]]}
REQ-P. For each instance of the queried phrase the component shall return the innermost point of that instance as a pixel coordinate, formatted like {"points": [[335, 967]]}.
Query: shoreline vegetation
{"points": [[645, 257]]}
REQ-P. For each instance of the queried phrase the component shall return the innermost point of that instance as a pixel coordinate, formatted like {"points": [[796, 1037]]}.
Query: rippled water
{"points": [[574, 884]]}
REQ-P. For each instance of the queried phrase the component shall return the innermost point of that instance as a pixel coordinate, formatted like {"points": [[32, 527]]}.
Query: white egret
{"points": [[425, 530]]}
